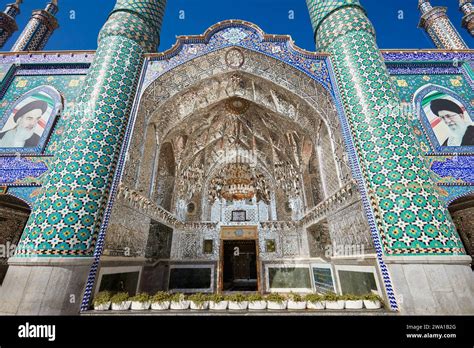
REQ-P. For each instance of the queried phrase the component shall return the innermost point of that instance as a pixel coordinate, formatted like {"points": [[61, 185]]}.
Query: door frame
{"points": [[237, 233]]}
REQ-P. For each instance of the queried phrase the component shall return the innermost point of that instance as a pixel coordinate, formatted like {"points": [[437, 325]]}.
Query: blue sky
{"points": [[81, 20]]}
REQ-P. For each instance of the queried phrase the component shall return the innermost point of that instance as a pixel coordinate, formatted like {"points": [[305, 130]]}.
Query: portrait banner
{"points": [[26, 125]]}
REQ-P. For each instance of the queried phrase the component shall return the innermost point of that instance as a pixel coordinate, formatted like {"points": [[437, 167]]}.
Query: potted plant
{"points": [[199, 301], [140, 302], [276, 301], [178, 301], [160, 301], [120, 301], [102, 301], [296, 302], [315, 301], [353, 301], [238, 302], [372, 301], [218, 302], [257, 302], [334, 301]]}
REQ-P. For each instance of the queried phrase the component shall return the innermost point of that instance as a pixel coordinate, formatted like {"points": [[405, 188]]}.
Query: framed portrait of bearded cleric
{"points": [[447, 119], [26, 124]]}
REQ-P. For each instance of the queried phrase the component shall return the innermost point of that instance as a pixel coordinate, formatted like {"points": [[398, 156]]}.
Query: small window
{"points": [[208, 246], [270, 245], [191, 208], [239, 215]]}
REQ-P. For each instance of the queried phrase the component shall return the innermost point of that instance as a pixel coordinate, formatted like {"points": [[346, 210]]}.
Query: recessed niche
{"points": [[270, 246], [208, 246]]}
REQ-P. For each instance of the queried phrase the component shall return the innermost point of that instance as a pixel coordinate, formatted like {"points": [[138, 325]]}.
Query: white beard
{"points": [[456, 137], [16, 137]]}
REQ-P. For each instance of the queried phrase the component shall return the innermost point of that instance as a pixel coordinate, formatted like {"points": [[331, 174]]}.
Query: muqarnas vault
{"points": [[347, 169]]}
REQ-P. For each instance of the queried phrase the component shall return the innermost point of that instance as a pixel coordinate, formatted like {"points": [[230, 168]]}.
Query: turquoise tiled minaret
{"points": [[38, 30], [438, 26], [67, 215], [7, 21], [410, 216]]}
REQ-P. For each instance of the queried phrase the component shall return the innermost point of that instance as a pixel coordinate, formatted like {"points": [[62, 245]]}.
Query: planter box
{"points": [[258, 305], [102, 307], [300, 305], [218, 306], [199, 306], [335, 304], [140, 306], [181, 305], [238, 306], [160, 306], [122, 306], [316, 305], [357, 304], [372, 304], [276, 305]]}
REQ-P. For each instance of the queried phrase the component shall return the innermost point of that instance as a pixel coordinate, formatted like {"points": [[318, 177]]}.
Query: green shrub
{"points": [[330, 296], [177, 297], [198, 298], [351, 297], [372, 297], [255, 297], [313, 298], [216, 298], [274, 297], [120, 297], [237, 297], [160, 297], [102, 298], [296, 297], [142, 297]]}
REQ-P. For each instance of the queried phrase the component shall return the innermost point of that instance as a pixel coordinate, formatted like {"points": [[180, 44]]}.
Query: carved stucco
{"points": [[201, 83]]}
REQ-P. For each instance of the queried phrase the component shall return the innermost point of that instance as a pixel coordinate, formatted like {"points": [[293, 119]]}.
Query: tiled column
{"points": [[7, 22], [467, 8], [38, 30], [438, 26], [67, 215], [410, 217]]}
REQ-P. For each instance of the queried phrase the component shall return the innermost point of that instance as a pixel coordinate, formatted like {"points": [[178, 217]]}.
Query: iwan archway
{"points": [[237, 111]]}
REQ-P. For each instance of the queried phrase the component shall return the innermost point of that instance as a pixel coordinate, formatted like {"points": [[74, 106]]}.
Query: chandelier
{"points": [[238, 182]]}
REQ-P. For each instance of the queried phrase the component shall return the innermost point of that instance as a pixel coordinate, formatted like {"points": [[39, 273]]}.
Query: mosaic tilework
{"points": [[467, 8], [410, 217], [37, 32], [420, 117], [355, 21], [21, 170], [26, 194], [244, 35], [451, 193], [457, 168], [440, 29], [318, 9], [151, 11], [29, 168], [70, 210], [7, 27], [143, 18], [74, 191], [451, 166]]}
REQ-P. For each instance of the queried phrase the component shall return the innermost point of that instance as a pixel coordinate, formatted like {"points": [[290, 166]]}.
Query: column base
{"points": [[437, 285], [44, 286]]}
